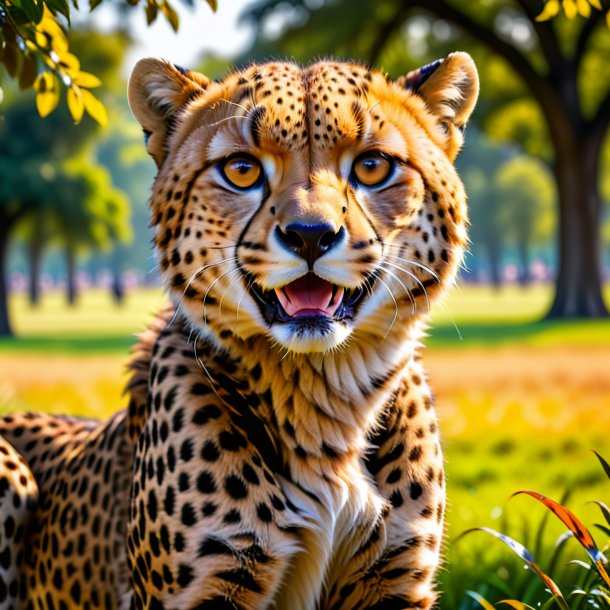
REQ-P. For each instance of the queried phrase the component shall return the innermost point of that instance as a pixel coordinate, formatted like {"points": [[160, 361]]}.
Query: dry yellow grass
{"points": [[480, 390]]}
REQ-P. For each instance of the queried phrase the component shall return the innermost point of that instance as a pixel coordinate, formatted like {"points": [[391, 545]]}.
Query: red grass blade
{"points": [[575, 525]]}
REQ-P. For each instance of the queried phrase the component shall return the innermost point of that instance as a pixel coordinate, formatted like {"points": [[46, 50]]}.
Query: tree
{"points": [[524, 193], [558, 64], [34, 50], [90, 214], [33, 151]]}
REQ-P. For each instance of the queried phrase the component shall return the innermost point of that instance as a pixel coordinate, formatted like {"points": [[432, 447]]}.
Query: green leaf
{"points": [[604, 464], [32, 9], [60, 6], [602, 528]]}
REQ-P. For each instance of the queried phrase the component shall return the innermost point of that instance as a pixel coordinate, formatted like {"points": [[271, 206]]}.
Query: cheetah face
{"points": [[310, 205]]}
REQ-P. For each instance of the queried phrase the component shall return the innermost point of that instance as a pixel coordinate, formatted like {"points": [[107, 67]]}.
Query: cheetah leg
{"points": [[395, 568], [18, 496]]}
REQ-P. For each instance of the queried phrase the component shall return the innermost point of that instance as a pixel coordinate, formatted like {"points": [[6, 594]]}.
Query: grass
{"points": [[471, 316], [521, 403]]}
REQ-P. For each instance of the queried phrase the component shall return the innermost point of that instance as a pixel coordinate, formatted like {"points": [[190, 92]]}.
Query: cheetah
{"points": [[280, 446]]}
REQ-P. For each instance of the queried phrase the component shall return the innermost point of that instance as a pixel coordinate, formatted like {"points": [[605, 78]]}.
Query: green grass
{"points": [[471, 316], [522, 403]]}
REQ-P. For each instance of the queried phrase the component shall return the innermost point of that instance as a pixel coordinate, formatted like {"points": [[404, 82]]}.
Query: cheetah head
{"points": [[310, 205]]}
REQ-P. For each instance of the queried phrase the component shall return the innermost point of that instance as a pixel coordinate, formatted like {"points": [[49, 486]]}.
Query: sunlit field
{"points": [[522, 403]]}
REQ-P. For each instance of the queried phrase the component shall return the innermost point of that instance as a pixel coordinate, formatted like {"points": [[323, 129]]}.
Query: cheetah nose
{"points": [[309, 241]]}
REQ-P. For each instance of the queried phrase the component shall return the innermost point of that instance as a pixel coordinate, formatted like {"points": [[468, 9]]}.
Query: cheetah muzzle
{"points": [[280, 447]]}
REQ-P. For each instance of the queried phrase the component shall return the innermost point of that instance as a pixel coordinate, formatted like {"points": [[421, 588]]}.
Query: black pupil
{"points": [[243, 167], [370, 165]]}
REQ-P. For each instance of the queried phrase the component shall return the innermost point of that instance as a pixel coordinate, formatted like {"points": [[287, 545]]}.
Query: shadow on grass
{"points": [[120, 344], [566, 332], [466, 334]]}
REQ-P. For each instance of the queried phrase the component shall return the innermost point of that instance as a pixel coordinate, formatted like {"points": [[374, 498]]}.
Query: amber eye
{"points": [[372, 169], [242, 172]]}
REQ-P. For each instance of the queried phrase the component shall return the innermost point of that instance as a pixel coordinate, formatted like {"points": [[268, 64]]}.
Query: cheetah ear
{"points": [[450, 88], [157, 92]]}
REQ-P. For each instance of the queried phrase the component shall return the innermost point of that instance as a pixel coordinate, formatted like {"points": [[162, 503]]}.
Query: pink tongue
{"points": [[309, 295]]}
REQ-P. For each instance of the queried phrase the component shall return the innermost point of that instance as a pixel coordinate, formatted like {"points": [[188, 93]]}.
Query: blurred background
{"points": [[518, 355]]}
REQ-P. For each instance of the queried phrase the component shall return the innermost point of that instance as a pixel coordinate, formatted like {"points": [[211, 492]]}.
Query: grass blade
{"points": [[575, 525], [529, 559], [604, 464], [513, 603], [480, 599]]}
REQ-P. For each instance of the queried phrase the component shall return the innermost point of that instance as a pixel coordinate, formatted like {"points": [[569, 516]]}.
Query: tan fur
{"points": [[286, 463]]}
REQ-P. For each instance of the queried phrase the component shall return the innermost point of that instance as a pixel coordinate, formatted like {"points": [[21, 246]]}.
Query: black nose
{"points": [[309, 241]]}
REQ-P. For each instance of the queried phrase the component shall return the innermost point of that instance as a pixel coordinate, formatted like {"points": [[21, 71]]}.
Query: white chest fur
{"points": [[333, 523]]}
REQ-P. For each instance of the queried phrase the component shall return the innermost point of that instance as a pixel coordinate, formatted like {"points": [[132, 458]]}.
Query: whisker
{"points": [[193, 277], [205, 318], [412, 276], [235, 116], [416, 264], [232, 103], [413, 304], [241, 298], [231, 284], [395, 307]]}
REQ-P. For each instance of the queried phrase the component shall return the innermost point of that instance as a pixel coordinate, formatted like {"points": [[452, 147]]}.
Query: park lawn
{"points": [[521, 403]]}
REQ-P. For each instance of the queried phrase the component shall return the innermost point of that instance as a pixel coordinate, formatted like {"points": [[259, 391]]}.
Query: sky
{"points": [[201, 31]]}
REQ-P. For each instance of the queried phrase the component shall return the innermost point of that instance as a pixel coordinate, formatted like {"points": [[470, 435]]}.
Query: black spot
{"points": [[206, 483], [415, 490], [235, 487]]}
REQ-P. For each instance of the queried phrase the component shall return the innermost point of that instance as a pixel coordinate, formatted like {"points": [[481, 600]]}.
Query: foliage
{"points": [[571, 8], [593, 583], [34, 50]]}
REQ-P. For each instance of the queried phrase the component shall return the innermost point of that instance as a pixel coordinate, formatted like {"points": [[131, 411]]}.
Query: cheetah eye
{"points": [[241, 171], [371, 169]]}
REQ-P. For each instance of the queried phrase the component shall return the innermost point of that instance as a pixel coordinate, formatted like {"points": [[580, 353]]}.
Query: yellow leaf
{"points": [[570, 9], [95, 109], [76, 106], [596, 4], [213, 4], [550, 10], [49, 33], [170, 15], [608, 19], [69, 63], [47, 96], [583, 7], [84, 79]]}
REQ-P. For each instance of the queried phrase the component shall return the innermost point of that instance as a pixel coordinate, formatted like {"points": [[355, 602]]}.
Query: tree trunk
{"points": [[579, 282], [524, 262], [494, 256], [35, 251], [71, 275], [5, 326]]}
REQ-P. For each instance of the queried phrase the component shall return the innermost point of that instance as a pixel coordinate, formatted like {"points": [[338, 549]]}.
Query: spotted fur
{"points": [[264, 460]]}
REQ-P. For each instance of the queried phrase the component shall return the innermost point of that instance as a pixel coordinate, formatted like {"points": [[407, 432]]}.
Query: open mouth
{"points": [[309, 296]]}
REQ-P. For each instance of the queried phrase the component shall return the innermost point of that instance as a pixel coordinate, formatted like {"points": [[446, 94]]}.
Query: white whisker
{"points": [[395, 307]]}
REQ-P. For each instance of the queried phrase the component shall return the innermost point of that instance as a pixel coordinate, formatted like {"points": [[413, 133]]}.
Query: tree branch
{"points": [[585, 34], [598, 125], [537, 83], [547, 37], [385, 31]]}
